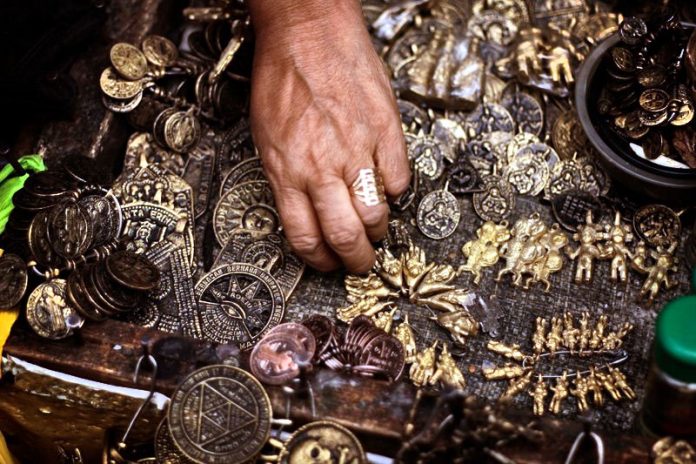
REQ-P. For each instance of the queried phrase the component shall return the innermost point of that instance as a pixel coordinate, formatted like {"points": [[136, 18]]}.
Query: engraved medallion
{"points": [[652, 119], [438, 214], [492, 27], [70, 230], [236, 146], [322, 441], [277, 358], [623, 59], [654, 100], [451, 134], [166, 451], [238, 303], [104, 213], [13, 280], [122, 106], [160, 51], [685, 114], [632, 30], [525, 111], [246, 171], [595, 180], [428, 155], [528, 173], [657, 225], [48, 312], [324, 332], [567, 135], [487, 118], [219, 415], [519, 141], [565, 176], [496, 201], [462, 176], [128, 61], [39, 245], [182, 131], [132, 270], [570, 209], [386, 353], [652, 76], [76, 295], [250, 206], [115, 87]]}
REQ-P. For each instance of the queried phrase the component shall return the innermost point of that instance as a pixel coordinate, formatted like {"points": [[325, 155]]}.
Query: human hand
{"points": [[322, 109]]}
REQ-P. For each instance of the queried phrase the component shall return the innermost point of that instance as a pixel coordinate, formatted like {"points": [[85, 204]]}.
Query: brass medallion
{"points": [[428, 155], [13, 280], [122, 106], [496, 201], [570, 208], [166, 451], [160, 51], [238, 303], [246, 171], [128, 61], [525, 111], [487, 118], [528, 174], [438, 214], [182, 131], [115, 87], [567, 135], [218, 415], [654, 100], [250, 206], [657, 225], [48, 312], [132, 270], [322, 441], [70, 230]]}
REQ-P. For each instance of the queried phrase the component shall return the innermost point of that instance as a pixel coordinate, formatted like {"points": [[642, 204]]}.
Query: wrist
{"points": [[279, 18]]}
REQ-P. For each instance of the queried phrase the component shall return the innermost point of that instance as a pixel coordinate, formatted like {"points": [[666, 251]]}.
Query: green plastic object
{"points": [[675, 339], [10, 184], [693, 279]]}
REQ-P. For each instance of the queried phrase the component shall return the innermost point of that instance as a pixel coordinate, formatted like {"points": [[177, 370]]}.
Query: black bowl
{"points": [[670, 185]]}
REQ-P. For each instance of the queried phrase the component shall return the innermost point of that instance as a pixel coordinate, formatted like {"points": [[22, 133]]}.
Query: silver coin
{"points": [[438, 214]]}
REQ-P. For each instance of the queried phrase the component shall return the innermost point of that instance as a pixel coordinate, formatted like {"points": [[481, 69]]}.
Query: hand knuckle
{"points": [[344, 239], [305, 244]]}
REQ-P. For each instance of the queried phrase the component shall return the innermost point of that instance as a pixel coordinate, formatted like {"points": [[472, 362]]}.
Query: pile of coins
{"points": [[648, 94]]}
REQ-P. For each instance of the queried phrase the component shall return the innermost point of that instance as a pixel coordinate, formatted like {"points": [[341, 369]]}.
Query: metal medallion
{"points": [[428, 156], [487, 118], [525, 111], [463, 177], [246, 171], [105, 215], [277, 358], [519, 141], [657, 225], [238, 303], [13, 280], [236, 145], [115, 87], [324, 331], [496, 201], [122, 106], [39, 245], [182, 131], [595, 179], [386, 353], [218, 415], [70, 230], [132, 270], [322, 441], [76, 295], [632, 30], [652, 76], [528, 173], [570, 209], [438, 214], [451, 134], [565, 176], [685, 114], [48, 312], [166, 451], [128, 61], [250, 206], [567, 135], [414, 119], [160, 51], [492, 27], [623, 59], [654, 100]]}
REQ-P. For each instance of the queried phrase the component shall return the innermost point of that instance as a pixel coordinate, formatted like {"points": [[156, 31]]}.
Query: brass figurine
{"points": [[618, 235], [539, 337], [539, 394], [369, 286], [554, 338], [389, 268], [404, 333], [620, 382], [598, 333], [585, 332], [368, 306], [664, 262], [560, 393], [589, 235], [595, 386], [423, 367], [460, 325], [447, 372], [508, 371], [518, 385], [570, 334], [436, 280], [384, 320], [509, 351], [580, 392], [484, 250], [614, 339]]}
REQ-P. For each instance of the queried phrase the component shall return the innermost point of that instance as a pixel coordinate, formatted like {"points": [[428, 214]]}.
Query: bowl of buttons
{"points": [[636, 98]]}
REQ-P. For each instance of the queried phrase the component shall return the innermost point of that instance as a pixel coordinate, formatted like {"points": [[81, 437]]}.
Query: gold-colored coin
{"points": [[128, 61], [623, 59], [159, 50], [684, 115], [654, 100], [322, 441], [115, 87]]}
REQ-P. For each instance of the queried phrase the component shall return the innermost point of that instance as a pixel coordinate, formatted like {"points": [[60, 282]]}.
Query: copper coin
{"points": [[276, 359], [300, 333], [385, 352], [13, 280], [132, 270], [323, 329]]}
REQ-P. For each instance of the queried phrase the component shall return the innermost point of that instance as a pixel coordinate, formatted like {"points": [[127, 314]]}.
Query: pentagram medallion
{"points": [[250, 206], [438, 214], [220, 414], [238, 304], [13, 280]]}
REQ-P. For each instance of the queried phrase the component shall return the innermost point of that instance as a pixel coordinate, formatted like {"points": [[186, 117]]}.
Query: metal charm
{"points": [[438, 214]]}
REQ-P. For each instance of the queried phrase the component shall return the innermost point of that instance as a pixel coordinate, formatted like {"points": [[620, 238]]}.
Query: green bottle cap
{"points": [[675, 339]]}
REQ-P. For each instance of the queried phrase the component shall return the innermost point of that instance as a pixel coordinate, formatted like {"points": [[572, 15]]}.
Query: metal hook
{"points": [[599, 445], [153, 364]]}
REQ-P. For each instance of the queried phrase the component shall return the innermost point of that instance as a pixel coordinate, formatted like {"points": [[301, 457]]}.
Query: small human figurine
{"points": [[448, 372], [508, 371], [368, 306], [539, 394], [560, 393], [509, 351], [517, 385], [618, 236], [621, 383], [658, 273], [585, 332], [580, 392], [384, 320], [423, 367], [571, 334], [460, 325], [512, 250], [595, 386], [404, 333], [528, 53], [614, 340], [389, 268], [589, 235], [539, 337], [484, 250], [607, 382], [554, 240], [554, 338], [598, 333]]}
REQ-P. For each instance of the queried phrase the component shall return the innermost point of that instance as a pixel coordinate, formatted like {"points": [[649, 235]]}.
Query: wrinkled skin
{"points": [[322, 109]]}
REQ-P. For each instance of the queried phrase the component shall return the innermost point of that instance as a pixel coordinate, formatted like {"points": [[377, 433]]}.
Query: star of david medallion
{"points": [[220, 414]]}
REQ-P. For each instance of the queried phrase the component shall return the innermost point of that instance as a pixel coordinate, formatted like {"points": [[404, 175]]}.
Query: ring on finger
{"points": [[369, 187]]}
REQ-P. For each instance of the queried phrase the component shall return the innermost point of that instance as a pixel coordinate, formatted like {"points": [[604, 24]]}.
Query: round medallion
{"points": [[428, 155], [623, 59], [246, 171], [115, 87], [657, 225], [48, 312], [492, 27], [239, 303], [528, 174], [182, 131], [487, 118], [570, 209], [159, 50], [277, 358], [463, 177], [386, 353], [13, 280], [218, 415], [525, 111], [414, 119], [104, 213], [438, 214], [70, 230], [128, 61], [567, 135], [132, 270], [565, 176], [519, 141], [250, 206], [654, 100], [322, 441], [632, 29], [496, 201]]}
